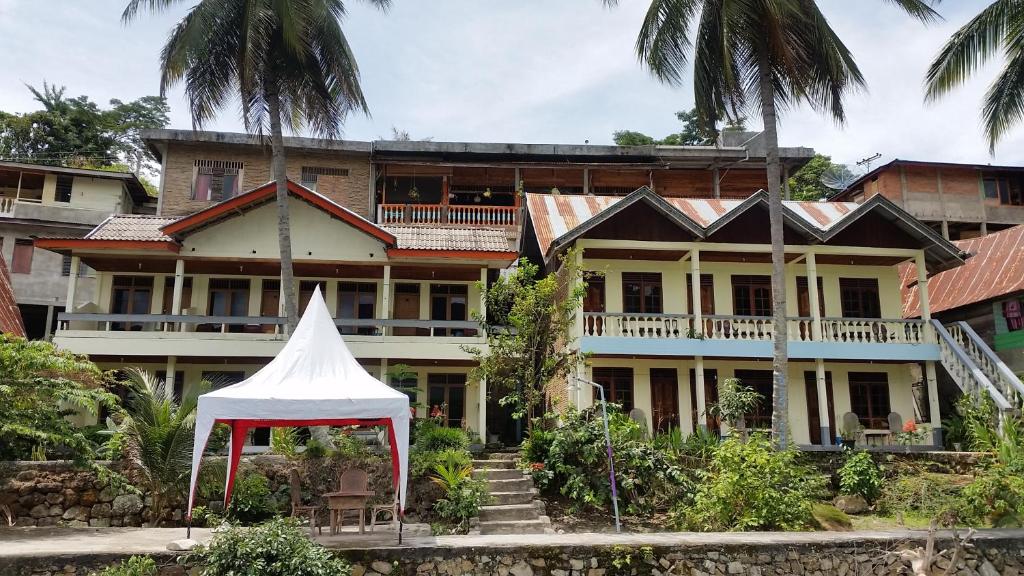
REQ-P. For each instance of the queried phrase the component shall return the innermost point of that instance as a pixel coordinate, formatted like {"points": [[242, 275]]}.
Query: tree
{"points": [[994, 33], [286, 62], [528, 324], [807, 183], [156, 436], [40, 387], [690, 135], [757, 56], [631, 138]]}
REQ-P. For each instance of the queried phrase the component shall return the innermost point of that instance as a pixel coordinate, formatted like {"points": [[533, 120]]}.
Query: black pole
{"points": [[401, 524], [188, 529]]}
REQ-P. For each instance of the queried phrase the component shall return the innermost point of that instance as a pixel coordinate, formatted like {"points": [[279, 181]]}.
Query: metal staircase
{"points": [[976, 368]]}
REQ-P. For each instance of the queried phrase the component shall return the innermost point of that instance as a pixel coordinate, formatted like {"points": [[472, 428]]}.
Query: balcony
{"points": [[248, 336], [448, 215], [751, 336]]}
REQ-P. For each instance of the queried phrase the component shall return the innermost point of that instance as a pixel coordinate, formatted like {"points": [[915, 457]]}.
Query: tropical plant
{"points": [[157, 436], [750, 486], [133, 566], [433, 438], [735, 401], [251, 499], [40, 387], [463, 495], [993, 34], [284, 440], [286, 62], [860, 475], [757, 56], [279, 547]]}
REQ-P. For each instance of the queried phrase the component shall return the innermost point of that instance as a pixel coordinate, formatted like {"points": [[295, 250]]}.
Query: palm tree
{"points": [[157, 435], [284, 61], [996, 30], [757, 56]]}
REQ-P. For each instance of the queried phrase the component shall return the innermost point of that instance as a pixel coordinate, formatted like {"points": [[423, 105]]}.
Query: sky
{"points": [[555, 71]]}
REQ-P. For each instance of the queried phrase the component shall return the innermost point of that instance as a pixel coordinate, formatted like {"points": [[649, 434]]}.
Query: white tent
{"points": [[313, 381]]}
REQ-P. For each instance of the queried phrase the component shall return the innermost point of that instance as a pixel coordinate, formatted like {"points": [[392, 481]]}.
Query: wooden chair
{"points": [[352, 496], [386, 509], [300, 509]]}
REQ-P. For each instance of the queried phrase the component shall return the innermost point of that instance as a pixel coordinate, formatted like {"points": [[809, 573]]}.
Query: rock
{"points": [[99, 522], [851, 503], [72, 513], [596, 572], [54, 498], [106, 495], [358, 570], [70, 497], [183, 545], [126, 505], [987, 569], [46, 522], [734, 567], [49, 487], [576, 564], [55, 511], [39, 511], [100, 511], [381, 566], [521, 568], [87, 498], [78, 524], [26, 475]]}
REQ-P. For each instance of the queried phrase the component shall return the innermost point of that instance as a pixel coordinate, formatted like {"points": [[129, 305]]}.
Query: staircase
{"points": [[513, 508], [976, 368]]}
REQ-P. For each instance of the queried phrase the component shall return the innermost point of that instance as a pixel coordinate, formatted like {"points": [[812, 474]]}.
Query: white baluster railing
{"points": [[987, 361], [635, 325]]}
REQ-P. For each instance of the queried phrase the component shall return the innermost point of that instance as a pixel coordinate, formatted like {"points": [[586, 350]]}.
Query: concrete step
{"points": [[493, 464], [508, 512], [508, 456], [498, 473], [507, 498], [522, 484], [539, 526]]}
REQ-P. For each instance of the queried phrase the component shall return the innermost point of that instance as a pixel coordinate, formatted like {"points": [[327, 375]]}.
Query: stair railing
{"points": [[967, 375]]}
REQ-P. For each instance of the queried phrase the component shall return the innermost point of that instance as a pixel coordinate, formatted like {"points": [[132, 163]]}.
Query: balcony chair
{"points": [[300, 509], [895, 426]]}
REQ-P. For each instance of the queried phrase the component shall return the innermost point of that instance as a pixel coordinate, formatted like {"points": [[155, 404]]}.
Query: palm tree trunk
{"points": [[284, 233], [780, 359]]}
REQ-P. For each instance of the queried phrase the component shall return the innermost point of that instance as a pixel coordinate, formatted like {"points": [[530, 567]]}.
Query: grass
{"points": [[880, 522]]}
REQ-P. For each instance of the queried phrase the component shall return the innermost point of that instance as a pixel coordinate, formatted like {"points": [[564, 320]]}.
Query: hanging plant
{"points": [[414, 193], [487, 192]]}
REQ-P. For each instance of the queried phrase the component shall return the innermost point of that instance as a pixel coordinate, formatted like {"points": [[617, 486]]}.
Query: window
{"points": [[641, 292], [130, 295], [450, 302], [306, 289], [859, 298], [803, 297], [357, 301], [65, 268], [1013, 312], [593, 300], [707, 293], [869, 399], [229, 298], [761, 382], [216, 180], [186, 295], [21, 262], [617, 384], [446, 396], [310, 174], [63, 191], [1007, 190], [752, 295], [179, 382]]}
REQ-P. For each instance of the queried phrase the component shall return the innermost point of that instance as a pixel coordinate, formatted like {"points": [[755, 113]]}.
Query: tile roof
{"points": [[995, 268], [424, 238], [10, 314], [135, 227], [553, 216]]}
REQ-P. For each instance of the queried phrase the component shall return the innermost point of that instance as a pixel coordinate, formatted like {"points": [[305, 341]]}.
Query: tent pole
{"points": [[401, 524], [188, 529]]}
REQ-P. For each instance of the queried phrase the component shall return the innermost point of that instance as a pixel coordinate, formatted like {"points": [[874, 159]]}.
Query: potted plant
{"points": [[476, 445], [848, 436]]}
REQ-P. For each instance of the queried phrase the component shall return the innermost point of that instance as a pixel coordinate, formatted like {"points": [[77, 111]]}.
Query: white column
{"points": [[69, 303], [827, 433], [482, 410], [384, 371], [172, 364], [695, 304], [49, 322], [922, 293], [179, 284], [698, 377], [716, 185], [483, 288], [385, 298], [933, 402]]}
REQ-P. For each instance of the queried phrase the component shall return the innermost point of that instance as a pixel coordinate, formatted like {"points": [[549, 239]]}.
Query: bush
{"points": [[919, 493], [133, 566], [251, 500], [433, 438], [860, 475], [537, 445], [279, 547], [423, 463], [996, 496], [751, 486], [463, 496]]}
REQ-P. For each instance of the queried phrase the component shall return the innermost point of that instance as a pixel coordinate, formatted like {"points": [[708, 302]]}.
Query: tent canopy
{"points": [[313, 381]]}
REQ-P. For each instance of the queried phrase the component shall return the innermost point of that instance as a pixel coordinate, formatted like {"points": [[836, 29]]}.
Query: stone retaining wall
{"points": [[804, 554]]}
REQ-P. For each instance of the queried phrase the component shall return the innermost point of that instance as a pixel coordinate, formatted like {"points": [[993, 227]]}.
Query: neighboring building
{"points": [[660, 341], [10, 315], [40, 200], [961, 201], [987, 293]]}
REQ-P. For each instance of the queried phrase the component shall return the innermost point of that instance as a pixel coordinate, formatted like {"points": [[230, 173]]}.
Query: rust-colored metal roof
{"points": [[10, 314], [995, 268]]}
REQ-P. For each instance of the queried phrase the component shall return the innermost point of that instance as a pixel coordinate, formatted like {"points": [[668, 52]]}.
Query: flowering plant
{"points": [[911, 434]]}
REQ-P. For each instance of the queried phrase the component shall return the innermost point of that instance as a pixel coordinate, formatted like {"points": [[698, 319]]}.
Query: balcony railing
{"points": [[259, 325], [751, 328], [447, 214]]}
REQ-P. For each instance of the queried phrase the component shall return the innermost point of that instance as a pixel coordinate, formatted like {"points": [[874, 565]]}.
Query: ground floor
{"points": [[676, 393]]}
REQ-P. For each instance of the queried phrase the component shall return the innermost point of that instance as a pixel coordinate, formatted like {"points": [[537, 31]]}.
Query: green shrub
{"points": [[422, 464], [251, 500], [463, 496], [279, 547], [751, 486], [537, 445], [133, 566], [919, 493], [860, 475], [432, 438], [996, 496]]}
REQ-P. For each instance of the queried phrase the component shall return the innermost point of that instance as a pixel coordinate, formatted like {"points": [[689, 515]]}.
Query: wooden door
{"points": [[270, 303], [710, 398], [813, 418], [664, 399], [407, 307]]}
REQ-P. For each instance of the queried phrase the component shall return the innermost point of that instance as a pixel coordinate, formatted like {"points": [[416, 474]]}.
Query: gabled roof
{"points": [[760, 199], [267, 193], [994, 269], [119, 232]]}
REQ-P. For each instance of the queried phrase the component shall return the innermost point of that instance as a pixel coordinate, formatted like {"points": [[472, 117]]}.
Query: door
{"points": [[446, 397], [761, 382], [664, 399], [270, 303], [710, 397], [130, 295], [813, 418], [593, 301], [407, 307]]}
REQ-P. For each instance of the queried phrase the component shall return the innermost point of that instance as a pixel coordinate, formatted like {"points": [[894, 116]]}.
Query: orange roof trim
{"points": [[269, 190], [73, 243]]}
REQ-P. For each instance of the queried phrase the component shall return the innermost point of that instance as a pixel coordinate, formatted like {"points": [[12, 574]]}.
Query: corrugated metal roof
{"points": [[135, 227], [10, 314], [423, 238], [995, 268], [553, 216]]}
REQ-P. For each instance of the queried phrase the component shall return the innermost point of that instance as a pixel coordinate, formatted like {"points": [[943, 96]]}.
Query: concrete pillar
{"points": [[716, 184], [933, 402], [819, 364], [385, 298], [984, 228], [482, 305], [586, 180], [922, 290], [698, 318], [827, 434], [69, 303], [698, 382], [785, 181], [482, 410], [179, 285], [47, 334], [172, 364], [945, 229]]}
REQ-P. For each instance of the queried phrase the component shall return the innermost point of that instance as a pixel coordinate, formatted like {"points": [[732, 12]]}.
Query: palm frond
{"points": [[920, 9], [133, 7], [1004, 101], [664, 42]]}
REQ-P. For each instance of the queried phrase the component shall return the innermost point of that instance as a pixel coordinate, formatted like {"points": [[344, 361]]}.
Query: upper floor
{"points": [[455, 184], [31, 192], [960, 201]]}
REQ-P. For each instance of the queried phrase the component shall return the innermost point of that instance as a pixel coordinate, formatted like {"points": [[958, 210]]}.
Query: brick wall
{"points": [[350, 191]]}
